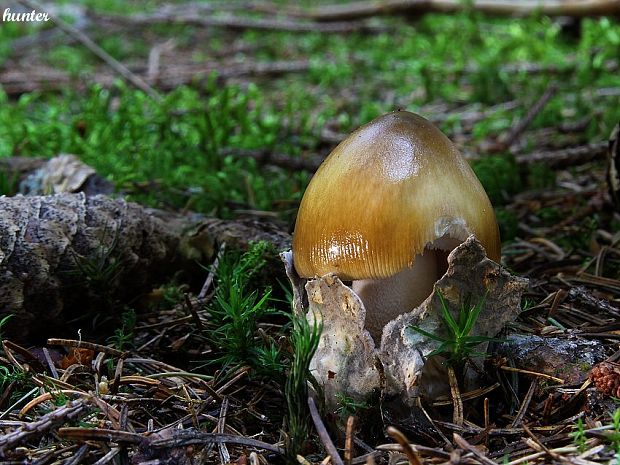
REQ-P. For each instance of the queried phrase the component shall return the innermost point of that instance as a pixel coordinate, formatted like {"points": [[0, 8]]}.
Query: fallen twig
{"points": [[457, 400], [87, 345], [570, 156], [522, 125], [518, 419], [348, 444], [537, 444], [193, 17], [180, 438], [220, 428], [399, 437], [19, 81], [463, 444], [323, 434], [532, 373], [101, 53], [613, 167], [69, 411], [78, 456], [153, 68], [190, 436]]}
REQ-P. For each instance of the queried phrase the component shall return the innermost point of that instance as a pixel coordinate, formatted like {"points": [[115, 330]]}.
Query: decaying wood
{"points": [[49, 242], [568, 358], [236, 234], [613, 167], [369, 8], [58, 252]]}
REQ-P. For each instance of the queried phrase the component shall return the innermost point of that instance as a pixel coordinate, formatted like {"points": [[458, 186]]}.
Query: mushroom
{"points": [[384, 210]]}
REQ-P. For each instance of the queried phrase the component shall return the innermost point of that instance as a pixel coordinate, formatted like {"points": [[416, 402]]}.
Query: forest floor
{"points": [[226, 111]]}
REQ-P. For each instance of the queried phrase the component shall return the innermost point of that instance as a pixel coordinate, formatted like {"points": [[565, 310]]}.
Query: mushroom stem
{"points": [[385, 299]]}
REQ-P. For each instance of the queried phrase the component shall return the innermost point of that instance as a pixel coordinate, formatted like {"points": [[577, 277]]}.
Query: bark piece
{"points": [[568, 358], [46, 242]]}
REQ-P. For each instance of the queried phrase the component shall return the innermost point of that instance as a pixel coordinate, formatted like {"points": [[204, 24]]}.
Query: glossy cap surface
{"points": [[388, 190]]}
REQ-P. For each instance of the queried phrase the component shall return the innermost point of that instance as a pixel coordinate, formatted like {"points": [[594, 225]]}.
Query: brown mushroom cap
{"points": [[390, 189]]}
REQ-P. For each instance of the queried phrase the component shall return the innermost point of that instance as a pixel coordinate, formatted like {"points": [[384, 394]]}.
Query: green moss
{"points": [[508, 224], [549, 215], [540, 176], [499, 176]]}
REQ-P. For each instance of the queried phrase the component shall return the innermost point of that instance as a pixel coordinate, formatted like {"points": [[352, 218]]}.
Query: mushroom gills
{"points": [[385, 299]]}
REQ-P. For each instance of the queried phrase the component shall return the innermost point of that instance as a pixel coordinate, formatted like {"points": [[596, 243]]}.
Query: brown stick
{"points": [[524, 122], [571, 156], [87, 345], [211, 276], [463, 444], [348, 444], [323, 434], [399, 437], [368, 8], [565, 157], [457, 401], [525, 404]]}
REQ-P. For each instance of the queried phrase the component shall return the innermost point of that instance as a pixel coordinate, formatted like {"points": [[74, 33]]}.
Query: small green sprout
{"points": [[460, 344], [3, 322], [124, 335], [347, 406], [579, 436]]}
